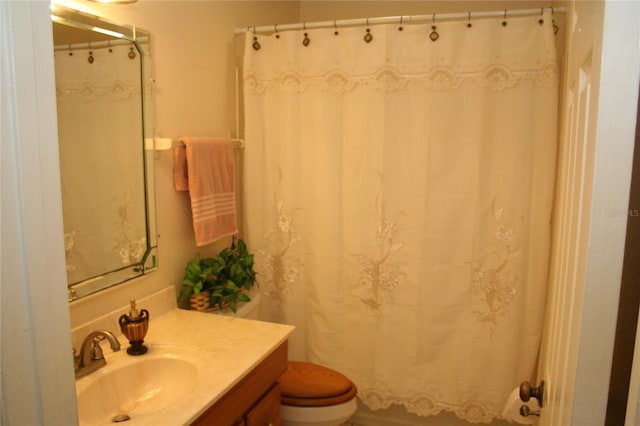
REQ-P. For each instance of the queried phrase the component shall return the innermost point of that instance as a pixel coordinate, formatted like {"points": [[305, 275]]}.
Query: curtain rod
{"points": [[406, 19], [100, 44], [91, 45]]}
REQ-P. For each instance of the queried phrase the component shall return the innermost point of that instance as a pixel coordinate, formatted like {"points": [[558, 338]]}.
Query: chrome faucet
{"points": [[91, 357]]}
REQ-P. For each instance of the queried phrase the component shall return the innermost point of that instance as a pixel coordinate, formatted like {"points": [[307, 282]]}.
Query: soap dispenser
{"points": [[134, 327]]}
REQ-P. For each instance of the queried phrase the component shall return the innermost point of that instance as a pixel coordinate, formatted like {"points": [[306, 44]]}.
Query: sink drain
{"points": [[120, 418]]}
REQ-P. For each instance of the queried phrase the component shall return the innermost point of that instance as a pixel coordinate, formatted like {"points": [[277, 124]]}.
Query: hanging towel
{"points": [[180, 176], [205, 167]]}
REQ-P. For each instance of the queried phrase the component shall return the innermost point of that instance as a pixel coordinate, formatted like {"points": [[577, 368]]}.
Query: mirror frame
{"points": [[141, 40]]}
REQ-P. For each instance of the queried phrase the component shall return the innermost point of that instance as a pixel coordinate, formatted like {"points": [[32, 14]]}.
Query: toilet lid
{"points": [[306, 384]]}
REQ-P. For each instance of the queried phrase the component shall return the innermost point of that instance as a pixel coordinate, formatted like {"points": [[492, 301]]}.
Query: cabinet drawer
{"points": [[267, 411]]}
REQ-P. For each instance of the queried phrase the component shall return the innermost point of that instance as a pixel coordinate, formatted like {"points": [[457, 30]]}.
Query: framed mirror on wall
{"points": [[103, 89]]}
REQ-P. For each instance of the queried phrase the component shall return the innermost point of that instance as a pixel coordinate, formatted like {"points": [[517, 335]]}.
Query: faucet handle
{"points": [[76, 360], [96, 350]]}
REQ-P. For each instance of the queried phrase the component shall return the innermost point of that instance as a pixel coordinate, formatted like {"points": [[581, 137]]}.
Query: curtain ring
{"points": [[256, 44], [400, 27], [553, 21], [306, 40], [469, 25], [434, 34], [90, 59], [368, 37], [335, 26], [504, 21], [541, 20]]}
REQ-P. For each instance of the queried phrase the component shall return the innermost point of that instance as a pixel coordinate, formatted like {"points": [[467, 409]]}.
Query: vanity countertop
{"points": [[231, 347]]}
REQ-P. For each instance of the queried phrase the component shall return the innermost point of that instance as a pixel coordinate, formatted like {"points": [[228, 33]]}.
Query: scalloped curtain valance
{"points": [[493, 57], [398, 197]]}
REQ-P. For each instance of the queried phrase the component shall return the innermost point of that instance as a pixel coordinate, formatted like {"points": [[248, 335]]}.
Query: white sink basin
{"points": [[139, 388]]}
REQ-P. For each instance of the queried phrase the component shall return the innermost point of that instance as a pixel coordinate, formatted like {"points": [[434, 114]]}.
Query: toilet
{"points": [[313, 395]]}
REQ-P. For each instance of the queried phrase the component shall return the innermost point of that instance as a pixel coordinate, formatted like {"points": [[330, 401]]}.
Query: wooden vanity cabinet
{"points": [[255, 400], [267, 410]]}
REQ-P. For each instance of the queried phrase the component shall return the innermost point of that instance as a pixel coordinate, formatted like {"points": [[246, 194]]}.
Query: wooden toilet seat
{"points": [[310, 385]]}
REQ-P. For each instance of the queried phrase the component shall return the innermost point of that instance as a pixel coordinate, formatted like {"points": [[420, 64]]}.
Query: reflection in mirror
{"points": [[102, 78]]}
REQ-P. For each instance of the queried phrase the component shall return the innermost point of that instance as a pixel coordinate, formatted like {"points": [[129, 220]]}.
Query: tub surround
{"points": [[232, 348]]}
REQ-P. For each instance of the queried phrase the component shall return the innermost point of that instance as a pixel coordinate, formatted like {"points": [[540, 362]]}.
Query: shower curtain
{"points": [[398, 197]]}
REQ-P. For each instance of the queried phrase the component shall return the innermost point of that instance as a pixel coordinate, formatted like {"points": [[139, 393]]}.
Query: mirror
{"points": [[103, 94]]}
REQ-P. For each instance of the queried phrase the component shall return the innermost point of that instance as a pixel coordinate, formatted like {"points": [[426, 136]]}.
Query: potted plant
{"points": [[196, 282], [223, 278]]}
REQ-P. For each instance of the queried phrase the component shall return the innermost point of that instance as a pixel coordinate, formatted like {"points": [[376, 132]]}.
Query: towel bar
{"points": [[237, 143]]}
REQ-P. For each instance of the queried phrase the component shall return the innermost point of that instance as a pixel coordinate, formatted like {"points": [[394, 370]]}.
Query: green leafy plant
{"points": [[225, 276]]}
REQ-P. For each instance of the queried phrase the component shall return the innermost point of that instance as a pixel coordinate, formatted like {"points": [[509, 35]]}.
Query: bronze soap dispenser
{"points": [[134, 327]]}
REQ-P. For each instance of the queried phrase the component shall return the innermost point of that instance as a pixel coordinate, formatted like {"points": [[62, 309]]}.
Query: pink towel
{"points": [[180, 174], [205, 167]]}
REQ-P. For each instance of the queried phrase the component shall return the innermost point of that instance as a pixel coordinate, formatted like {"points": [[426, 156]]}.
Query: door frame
{"points": [[580, 389], [615, 134]]}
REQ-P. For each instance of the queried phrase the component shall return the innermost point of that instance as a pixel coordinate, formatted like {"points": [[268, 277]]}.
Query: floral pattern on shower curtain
{"points": [[398, 196]]}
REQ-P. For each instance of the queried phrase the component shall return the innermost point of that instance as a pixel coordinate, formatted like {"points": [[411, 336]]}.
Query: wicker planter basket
{"points": [[199, 302]]}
